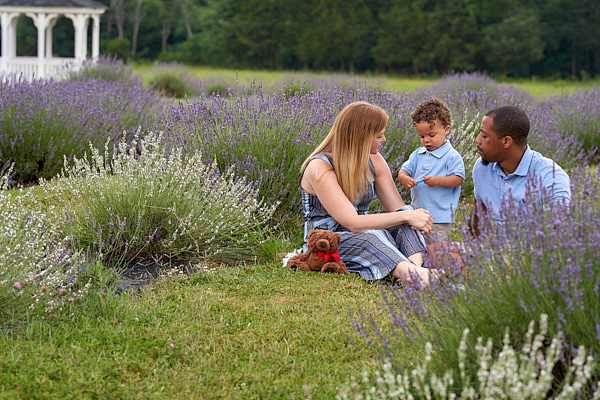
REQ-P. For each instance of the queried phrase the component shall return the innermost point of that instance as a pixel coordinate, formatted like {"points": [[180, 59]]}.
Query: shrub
{"points": [[37, 264], [148, 202], [119, 48], [109, 69], [43, 121], [541, 260], [173, 80], [527, 374]]}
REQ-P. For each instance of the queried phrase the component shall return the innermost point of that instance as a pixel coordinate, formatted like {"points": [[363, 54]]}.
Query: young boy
{"points": [[434, 172]]}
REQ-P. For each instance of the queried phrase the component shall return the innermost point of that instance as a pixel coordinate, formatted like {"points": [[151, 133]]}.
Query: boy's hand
{"points": [[432, 181], [406, 181]]}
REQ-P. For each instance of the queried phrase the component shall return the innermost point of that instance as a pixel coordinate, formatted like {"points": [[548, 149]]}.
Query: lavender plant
{"points": [[575, 118], [526, 374], [542, 259], [38, 268], [42, 121], [267, 137], [106, 68], [143, 200], [474, 94]]}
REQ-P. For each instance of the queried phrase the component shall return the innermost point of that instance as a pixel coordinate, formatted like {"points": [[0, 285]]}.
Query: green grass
{"points": [[241, 333], [538, 88], [544, 88]]}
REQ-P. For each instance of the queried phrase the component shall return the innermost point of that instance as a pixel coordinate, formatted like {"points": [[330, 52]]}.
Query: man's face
{"points": [[489, 146]]}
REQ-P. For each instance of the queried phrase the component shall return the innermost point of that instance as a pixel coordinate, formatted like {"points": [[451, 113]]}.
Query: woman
{"points": [[339, 181]]}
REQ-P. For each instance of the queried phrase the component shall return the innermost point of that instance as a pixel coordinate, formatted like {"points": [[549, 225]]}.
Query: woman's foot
{"points": [[410, 273]]}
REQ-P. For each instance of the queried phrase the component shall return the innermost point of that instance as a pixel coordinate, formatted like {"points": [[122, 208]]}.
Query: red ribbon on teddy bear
{"points": [[326, 256]]}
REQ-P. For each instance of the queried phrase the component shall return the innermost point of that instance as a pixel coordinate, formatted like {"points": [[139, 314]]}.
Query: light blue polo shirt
{"points": [[440, 201], [492, 186]]}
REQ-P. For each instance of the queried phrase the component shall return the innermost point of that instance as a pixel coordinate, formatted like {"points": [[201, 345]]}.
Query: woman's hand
{"points": [[420, 220]]}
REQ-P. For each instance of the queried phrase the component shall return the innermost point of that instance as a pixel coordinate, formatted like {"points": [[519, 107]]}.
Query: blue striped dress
{"points": [[372, 253]]}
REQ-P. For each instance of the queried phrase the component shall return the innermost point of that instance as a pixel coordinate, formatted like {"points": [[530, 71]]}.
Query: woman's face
{"points": [[378, 141]]}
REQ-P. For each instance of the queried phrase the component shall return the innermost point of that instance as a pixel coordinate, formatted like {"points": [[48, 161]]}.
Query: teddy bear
{"points": [[322, 254]]}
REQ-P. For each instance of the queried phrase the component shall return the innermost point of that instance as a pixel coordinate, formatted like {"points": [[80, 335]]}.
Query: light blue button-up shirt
{"points": [[440, 201], [492, 186]]}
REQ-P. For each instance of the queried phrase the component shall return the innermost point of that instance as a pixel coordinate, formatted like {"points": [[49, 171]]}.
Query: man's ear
{"points": [[507, 141]]}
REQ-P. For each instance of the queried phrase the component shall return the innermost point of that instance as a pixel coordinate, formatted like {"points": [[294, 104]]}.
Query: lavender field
{"points": [[115, 171]]}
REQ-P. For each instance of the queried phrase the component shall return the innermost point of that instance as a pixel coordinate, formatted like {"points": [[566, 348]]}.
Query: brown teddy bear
{"points": [[322, 254]]}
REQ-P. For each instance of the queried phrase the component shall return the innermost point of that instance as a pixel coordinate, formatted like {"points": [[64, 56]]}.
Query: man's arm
{"points": [[477, 208]]}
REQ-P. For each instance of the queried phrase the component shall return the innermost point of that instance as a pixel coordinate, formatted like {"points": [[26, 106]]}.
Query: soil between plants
{"points": [[141, 273]]}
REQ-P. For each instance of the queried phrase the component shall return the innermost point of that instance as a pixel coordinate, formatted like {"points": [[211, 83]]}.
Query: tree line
{"points": [[517, 38]]}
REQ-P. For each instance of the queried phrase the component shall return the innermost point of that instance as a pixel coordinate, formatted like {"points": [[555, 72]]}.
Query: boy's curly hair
{"points": [[430, 110]]}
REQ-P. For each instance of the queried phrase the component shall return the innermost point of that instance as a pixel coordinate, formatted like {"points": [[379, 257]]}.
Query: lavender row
{"points": [[541, 260], [43, 121], [267, 136]]}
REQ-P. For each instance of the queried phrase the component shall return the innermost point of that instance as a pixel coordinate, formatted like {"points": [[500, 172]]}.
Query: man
{"points": [[507, 167]]}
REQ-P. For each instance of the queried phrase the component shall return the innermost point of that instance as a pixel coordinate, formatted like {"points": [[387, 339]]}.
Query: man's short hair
{"points": [[510, 121]]}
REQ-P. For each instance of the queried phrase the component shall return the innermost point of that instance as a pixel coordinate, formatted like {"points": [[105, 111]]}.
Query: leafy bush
{"points": [[119, 48], [173, 80], [142, 201], [109, 69], [524, 375], [541, 260], [43, 121]]}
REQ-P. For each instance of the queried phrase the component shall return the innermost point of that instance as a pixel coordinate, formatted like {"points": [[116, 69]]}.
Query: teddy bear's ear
{"points": [[311, 238]]}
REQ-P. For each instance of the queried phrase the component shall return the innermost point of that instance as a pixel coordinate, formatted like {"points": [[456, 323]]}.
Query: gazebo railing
{"points": [[29, 67]]}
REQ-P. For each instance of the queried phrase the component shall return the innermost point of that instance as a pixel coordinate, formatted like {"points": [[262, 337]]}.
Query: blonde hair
{"points": [[349, 143]]}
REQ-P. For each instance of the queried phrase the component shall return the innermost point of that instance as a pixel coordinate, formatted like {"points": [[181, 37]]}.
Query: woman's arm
{"points": [[319, 179], [385, 188]]}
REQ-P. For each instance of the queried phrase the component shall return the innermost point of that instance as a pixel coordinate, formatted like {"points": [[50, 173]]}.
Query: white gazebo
{"points": [[44, 14]]}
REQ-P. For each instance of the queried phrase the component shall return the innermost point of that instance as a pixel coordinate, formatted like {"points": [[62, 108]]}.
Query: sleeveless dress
{"points": [[372, 253]]}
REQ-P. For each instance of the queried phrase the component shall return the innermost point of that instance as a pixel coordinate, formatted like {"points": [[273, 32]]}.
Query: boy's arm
{"points": [[406, 180], [449, 181]]}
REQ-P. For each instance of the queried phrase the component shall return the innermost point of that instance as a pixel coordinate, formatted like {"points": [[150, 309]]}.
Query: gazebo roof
{"points": [[53, 3]]}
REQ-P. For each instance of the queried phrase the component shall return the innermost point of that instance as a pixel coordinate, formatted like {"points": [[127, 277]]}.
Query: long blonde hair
{"points": [[349, 143]]}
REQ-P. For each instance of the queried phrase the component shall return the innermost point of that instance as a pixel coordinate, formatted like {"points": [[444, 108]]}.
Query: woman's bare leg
{"points": [[417, 258]]}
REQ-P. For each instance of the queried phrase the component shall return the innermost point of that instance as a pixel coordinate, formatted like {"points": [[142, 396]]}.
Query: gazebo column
{"points": [[5, 42], [96, 36], [80, 22], [51, 23], [13, 19], [40, 21]]}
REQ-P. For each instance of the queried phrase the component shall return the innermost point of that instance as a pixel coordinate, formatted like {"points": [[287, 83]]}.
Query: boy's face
{"points": [[433, 136]]}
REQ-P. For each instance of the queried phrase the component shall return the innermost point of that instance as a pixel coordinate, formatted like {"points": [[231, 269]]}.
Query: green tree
{"points": [[514, 43], [571, 31], [400, 37], [211, 37], [256, 27]]}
